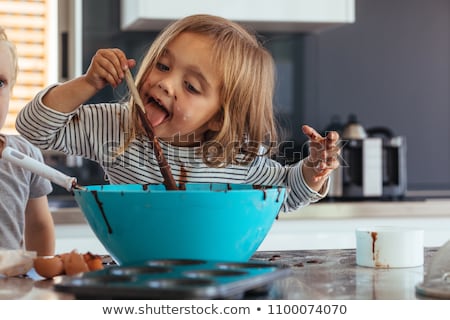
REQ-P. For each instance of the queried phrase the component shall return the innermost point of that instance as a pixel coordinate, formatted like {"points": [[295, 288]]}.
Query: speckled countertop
{"points": [[333, 274], [315, 274]]}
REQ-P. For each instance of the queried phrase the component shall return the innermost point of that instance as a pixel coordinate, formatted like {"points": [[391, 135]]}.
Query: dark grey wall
{"points": [[390, 68], [101, 29]]}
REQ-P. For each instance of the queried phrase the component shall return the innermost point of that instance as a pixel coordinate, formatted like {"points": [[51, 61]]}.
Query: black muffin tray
{"points": [[175, 279]]}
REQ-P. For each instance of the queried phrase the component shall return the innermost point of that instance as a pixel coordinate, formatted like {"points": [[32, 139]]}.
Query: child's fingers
{"points": [[324, 163], [131, 63], [114, 63], [324, 152], [323, 174], [312, 134], [109, 65], [332, 137], [325, 168]]}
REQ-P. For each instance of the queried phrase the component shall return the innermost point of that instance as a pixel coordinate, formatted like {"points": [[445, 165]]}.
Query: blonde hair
{"points": [[247, 75], [12, 49]]}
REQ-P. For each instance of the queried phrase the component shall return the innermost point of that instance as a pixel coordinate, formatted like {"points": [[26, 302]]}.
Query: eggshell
{"points": [[74, 263], [49, 266], [93, 261]]}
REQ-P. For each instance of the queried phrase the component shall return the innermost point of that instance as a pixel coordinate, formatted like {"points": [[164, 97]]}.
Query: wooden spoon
{"points": [[164, 167]]}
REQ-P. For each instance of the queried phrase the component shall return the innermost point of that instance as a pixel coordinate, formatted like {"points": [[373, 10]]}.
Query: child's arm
{"points": [[39, 227], [107, 67], [2, 143], [322, 159]]}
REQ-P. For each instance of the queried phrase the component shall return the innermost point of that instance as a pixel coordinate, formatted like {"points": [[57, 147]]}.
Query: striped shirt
{"points": [[97, 131]]}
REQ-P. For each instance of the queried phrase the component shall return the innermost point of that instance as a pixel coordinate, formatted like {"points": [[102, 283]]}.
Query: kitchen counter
{"points": [[315, 274], [333, 274]]}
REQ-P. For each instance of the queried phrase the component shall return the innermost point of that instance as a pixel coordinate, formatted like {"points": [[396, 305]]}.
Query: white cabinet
{"points": [[332, 225], [262, 15], [316, 234], [78, 237]]}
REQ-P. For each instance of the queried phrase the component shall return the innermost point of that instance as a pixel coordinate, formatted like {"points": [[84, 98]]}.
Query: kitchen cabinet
{"points": [[262, 15], [332, 225]]}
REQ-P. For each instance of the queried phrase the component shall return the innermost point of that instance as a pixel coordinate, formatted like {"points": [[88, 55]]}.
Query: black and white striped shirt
{"points": [[97, 131]]}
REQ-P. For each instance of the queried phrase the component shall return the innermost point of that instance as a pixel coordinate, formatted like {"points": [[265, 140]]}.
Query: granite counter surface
{"points": [[333, 274], [315, 275]]}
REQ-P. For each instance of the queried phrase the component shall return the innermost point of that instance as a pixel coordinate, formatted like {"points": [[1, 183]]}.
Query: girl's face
{"points": [[6, 73], [181, 94]]}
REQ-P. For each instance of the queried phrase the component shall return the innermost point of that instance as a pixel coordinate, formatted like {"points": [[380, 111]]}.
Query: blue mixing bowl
{"points": [[136, 223]]}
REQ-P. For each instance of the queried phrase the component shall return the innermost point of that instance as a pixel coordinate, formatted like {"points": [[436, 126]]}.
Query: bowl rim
{"points": [[190, 187]]}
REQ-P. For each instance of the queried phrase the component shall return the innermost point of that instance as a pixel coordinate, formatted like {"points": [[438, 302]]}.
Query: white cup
{"points": [[389, 247]]}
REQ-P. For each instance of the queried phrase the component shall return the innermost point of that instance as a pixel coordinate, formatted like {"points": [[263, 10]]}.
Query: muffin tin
{"points": [[175, 279]]}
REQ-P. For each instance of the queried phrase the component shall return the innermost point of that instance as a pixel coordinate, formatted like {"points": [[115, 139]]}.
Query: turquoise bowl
{"points": [[136, 223]]}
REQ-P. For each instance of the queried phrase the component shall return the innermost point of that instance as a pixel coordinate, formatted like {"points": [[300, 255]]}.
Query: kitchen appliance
{"points": [[372, 164]]}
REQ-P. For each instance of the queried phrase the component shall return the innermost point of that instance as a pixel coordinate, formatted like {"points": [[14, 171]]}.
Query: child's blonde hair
{"points": [[247, 75], [12, 49]]}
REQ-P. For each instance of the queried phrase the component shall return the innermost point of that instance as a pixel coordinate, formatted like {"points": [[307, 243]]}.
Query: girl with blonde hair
{"points": [[207, 85]]}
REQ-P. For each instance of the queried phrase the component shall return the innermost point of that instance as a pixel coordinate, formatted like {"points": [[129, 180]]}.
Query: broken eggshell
{"points": [[49, 266]]}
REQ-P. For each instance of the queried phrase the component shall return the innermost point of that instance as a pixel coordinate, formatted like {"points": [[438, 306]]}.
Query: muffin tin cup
{"points": [[174, 279]]}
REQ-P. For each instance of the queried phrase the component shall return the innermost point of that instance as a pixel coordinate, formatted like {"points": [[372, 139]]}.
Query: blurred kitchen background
{"points": [[379, 65], [385, 62]]}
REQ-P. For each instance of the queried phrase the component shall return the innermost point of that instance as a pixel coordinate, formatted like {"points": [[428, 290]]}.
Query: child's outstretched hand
{"points": [[322, 159], [107, 67]]}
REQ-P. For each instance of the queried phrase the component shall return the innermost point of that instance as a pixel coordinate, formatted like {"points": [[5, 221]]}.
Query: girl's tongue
{"points": [[155, 114]]}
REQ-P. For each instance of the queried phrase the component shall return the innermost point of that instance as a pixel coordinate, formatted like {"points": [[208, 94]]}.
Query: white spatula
{"points": [[22, 160]]}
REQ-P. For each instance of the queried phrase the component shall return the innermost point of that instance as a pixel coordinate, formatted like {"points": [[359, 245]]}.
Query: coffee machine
{"points": [[372, 164]]}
